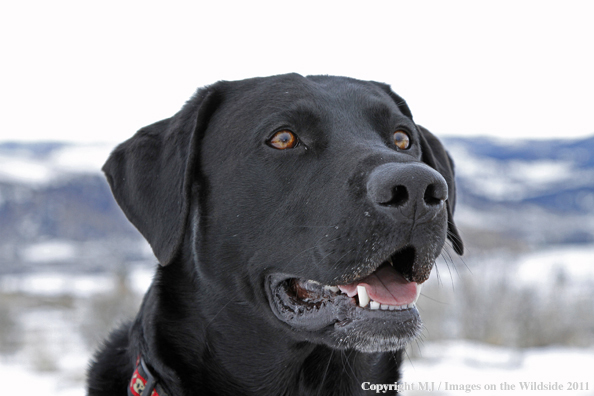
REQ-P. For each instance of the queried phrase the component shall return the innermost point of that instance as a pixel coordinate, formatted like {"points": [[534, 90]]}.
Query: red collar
{"points": [[143, 383]]}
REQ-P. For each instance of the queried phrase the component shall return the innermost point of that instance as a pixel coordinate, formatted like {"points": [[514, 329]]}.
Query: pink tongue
{"points": [[386, 286]]}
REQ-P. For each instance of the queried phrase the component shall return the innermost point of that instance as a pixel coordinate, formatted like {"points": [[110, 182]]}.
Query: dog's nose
{"points": [[413, 189]]}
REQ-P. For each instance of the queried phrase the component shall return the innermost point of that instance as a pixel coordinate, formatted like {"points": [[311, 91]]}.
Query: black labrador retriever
{"points": [[295, 219]]}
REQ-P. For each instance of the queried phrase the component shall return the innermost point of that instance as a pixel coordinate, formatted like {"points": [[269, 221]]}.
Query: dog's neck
{"points": [[198, 360]]}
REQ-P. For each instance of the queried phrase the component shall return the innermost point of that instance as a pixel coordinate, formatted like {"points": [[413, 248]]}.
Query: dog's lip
{"points": [[383, 289]]}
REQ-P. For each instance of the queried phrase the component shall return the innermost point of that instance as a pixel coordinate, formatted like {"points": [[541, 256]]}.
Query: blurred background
{"points": [[508, 86]]}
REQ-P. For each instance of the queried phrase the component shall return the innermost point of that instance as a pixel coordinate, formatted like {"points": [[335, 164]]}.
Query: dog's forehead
{"points": [[258, 97]]}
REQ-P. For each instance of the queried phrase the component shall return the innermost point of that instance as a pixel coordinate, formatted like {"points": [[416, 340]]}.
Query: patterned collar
{"points": [[143, 383]]}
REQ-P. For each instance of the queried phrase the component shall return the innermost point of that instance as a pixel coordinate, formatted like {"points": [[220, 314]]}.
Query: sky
{"points": [[86, 71]]}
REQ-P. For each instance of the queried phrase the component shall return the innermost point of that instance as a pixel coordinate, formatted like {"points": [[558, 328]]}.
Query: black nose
{"points": [[413, 190]]}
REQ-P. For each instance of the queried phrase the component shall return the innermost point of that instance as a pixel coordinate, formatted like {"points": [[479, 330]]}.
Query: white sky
{"points": [[98, 71]]}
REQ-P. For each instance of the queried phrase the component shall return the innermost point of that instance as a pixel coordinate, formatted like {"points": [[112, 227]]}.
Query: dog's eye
{"points": [[283, 140], [401, 140]]}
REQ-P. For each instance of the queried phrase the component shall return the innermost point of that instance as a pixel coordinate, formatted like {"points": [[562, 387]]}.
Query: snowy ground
{"points": [[54, 316], [499, 371]]}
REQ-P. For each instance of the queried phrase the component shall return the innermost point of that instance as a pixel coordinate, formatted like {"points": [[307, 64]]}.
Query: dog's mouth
{"points": [[376, 312], [385, 289]]}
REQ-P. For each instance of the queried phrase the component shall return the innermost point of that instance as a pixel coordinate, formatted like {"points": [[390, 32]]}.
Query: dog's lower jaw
{"points": [[322, 316], [374, 339], [281, 367]]}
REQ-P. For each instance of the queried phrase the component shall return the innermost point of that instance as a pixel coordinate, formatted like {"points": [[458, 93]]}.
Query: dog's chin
{"points": [[328, 315]]}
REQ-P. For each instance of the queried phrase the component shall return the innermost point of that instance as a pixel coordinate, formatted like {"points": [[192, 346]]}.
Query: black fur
{"points": [[233, 221]]}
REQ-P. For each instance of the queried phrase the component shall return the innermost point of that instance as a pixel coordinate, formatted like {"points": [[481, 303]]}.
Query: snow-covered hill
{"points": [[557, 175]]}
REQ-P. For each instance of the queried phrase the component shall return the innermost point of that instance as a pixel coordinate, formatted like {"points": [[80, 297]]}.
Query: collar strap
{"points": [[143, 383]]}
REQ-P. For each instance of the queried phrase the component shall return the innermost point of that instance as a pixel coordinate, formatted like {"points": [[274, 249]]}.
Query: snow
{"points": [[20, 166], [574, 263], [22, 170], [81, 158], [541, 269], [469, 363], [18, 380], [49, 251], [48, 283], [515, 180], [77, 285], [52, 357], [140, 279]]}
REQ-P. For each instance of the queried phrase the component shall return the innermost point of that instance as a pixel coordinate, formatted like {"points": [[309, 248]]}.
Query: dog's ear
{"points": [[401, 103], [150, 174], [435, 155]]}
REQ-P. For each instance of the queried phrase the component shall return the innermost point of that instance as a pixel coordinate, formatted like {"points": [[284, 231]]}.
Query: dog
{"points": [[295, 220]]}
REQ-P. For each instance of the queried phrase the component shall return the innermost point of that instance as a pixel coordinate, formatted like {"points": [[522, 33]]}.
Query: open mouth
{"points": [[376, 307], [385, 289]]}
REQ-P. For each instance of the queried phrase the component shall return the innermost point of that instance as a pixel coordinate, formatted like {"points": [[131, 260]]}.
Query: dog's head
{"points": [[316, 203]]}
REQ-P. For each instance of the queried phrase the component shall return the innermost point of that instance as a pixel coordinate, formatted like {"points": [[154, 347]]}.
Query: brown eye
{"points": [[401, 140], [283, 140]]}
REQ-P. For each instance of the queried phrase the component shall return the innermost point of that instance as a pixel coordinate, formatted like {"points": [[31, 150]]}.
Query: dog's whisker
{"points": [[408, 357], [443, 255], [312, 227], [349, 366], [439, 282], [460, 258], [217, 314], [309, 249], [434, 300], [449, 269], [326, 372], [338, 262]]}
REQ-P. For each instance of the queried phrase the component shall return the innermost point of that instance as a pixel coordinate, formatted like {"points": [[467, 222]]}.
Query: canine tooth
{"points": [[334, 289], [374, 305], [314, 282], [390, 261], [363, 296], [384, 307]]}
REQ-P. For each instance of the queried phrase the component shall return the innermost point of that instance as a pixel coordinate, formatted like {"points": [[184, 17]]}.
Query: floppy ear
{"points": [[435, 155], [401, 103], [150, 174]]}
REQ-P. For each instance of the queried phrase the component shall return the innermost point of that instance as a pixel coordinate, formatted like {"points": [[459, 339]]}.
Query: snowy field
{"points": [[500, 371], [51, 322]]}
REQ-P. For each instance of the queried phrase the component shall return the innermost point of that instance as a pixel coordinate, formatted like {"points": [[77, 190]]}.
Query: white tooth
{"points": [[363, 296], [391, 262], [384, 307], [403, 307], [374, 305], [334, 289], [314, 282], [410, 306], [392, 307]]}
